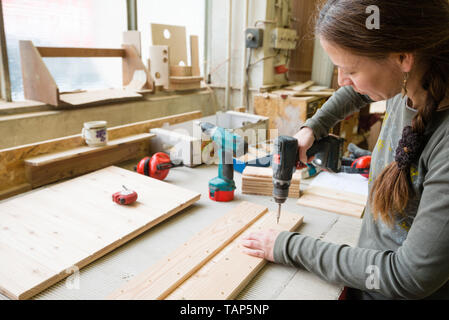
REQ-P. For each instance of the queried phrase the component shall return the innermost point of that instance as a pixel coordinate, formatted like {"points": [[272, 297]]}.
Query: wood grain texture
{"points": [[12, 165], [47, 233], [259, 181], [166, 275], [194, 55], [80, 52], [288, 112], [332, 200], [53, 167], [300, 67], [158, 65], [176, 41], [224, 276], [38, 83], [93, 97], [131, 63]]}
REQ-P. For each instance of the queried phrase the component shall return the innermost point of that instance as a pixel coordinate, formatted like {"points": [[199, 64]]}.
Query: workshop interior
{"points": [[141, 141]]}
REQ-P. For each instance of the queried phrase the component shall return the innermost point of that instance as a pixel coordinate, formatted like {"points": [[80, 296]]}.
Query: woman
{"points": [[405, 231]]}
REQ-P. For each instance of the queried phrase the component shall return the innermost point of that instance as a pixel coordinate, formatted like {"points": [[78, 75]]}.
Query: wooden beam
{"points": [[162, 278], [47, 52]]}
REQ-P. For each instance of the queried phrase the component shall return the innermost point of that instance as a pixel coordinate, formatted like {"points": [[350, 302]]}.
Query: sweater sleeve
{"points": [[416, 270], [344, 102]]}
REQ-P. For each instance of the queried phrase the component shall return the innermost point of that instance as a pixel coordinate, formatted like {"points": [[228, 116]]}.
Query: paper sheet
{"points": [[347, 182]]}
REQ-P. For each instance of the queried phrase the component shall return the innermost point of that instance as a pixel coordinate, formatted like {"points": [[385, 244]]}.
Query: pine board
{"points": [[345, 203], [166, 275], [259, 181], [68, 225], [230, 271]]}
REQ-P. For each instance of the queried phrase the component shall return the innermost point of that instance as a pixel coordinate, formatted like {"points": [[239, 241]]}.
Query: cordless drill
{"points": [[222, 188], [327, 153]]}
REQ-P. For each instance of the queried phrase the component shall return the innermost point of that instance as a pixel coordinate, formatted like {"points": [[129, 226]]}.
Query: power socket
{"points": [[253, 37]]}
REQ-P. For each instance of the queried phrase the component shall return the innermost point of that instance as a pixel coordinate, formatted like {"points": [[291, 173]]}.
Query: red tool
{"points": [[156, 166], [125, 196]]}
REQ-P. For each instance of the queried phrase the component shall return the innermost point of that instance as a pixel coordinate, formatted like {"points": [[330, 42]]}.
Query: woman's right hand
{"points": [[305, 139]]}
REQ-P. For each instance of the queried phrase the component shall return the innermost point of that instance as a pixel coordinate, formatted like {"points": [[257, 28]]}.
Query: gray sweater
{"points": [[408, 261]]}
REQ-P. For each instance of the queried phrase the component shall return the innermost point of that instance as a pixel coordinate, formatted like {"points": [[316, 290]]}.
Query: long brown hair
{"points": [[418, 27]]}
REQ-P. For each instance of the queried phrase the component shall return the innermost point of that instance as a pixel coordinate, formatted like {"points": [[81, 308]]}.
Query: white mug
{"points": [[95, 133]]}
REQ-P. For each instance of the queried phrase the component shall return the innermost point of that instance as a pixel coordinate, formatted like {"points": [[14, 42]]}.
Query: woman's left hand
{"points": [[260, 244]]}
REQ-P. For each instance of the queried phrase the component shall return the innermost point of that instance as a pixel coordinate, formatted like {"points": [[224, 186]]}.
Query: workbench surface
{"points": [[112, 271]]}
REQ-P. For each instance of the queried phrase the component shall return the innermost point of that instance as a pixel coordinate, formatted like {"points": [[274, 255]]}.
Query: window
{"points": [[67, 23], [190, 14]]}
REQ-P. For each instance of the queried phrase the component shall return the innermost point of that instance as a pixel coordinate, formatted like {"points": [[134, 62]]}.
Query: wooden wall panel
{"points": [[300, 67]]}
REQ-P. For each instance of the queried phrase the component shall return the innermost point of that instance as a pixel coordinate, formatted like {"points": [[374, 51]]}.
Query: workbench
{"points": [[105, 275]]}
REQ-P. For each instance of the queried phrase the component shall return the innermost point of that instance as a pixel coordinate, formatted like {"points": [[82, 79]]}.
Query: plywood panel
{"points": [[68, 225], [166, 275], [38, 83], [158, 65], [176, 41]]}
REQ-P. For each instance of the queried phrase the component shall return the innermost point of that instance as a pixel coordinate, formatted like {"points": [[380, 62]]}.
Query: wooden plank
{"points": [[337, 195], [72, 153], [38, 83], [333, 205], [166, 275], [68, 225], [302, 86], [266, 173], [92, 97], [12, 166], [194, 56], [50, 168], [80, 52], [224, 276], [175, 38]]}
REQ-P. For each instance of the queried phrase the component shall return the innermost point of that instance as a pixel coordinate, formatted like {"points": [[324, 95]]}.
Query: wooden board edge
{"points": [[81, 264]]}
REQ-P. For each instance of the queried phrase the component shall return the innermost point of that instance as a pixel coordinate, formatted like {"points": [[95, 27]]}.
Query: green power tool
{"points": [[229, 145]]}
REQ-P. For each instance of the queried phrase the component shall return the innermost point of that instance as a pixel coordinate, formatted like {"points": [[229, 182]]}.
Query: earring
{"points": [[404, 85]]}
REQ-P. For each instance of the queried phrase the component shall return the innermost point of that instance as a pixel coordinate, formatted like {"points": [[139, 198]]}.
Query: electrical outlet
{"points": [[282, 38], [253, 37]]}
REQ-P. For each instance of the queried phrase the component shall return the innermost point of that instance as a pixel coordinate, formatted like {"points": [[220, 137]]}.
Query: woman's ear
{"points": [[405, 61]]}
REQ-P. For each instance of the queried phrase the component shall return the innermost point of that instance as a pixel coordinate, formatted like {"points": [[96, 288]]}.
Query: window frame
{"points": [[5, 83]]}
